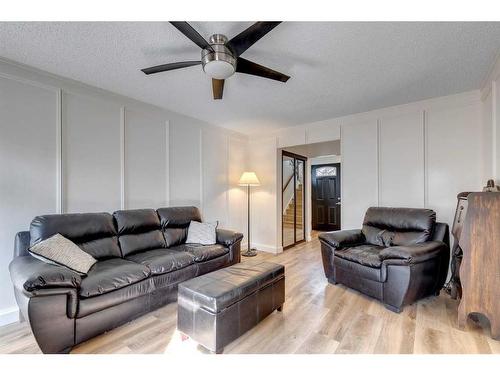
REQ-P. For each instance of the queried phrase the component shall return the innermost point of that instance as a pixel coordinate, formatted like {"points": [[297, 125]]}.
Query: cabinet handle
{"points": [[460, 214]]}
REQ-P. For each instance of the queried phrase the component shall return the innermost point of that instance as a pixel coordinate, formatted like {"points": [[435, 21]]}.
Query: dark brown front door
{"points": [[325, 182]]}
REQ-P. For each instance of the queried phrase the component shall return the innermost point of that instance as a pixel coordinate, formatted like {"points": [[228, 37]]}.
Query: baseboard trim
{"points": [[9, 315], [267, 248]]}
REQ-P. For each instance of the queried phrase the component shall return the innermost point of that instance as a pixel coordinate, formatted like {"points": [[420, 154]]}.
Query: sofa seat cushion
{"points": [[87, 306], [161, 261], [108, 275], [366, 255], [202, 253]]}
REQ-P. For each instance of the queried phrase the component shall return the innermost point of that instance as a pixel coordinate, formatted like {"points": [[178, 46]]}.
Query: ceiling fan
{"points": [[220, 57]]}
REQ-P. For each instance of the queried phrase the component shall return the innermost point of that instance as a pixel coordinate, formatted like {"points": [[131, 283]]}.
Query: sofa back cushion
{"points": [[389, 226], [94, 233], [138, 230], [175, 223]]}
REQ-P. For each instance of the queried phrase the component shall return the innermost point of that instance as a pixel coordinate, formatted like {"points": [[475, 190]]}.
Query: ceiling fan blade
{"points": [[217, 87], [171, 66], [248, 67], [192, 34], [244, 40]]}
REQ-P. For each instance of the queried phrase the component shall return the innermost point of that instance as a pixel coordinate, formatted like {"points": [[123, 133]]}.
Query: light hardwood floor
{"points": [[317, 318]]}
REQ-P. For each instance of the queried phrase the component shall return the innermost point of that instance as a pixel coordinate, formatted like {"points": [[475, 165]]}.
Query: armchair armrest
{"points": [[30, 274], [343, 238], [228, 237], [414, 253]]}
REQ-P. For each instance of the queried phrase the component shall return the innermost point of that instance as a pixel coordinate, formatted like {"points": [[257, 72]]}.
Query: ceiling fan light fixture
{"points": [[219, 69], [219, 62]]}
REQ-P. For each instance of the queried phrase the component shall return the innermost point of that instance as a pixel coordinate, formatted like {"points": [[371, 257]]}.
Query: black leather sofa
{"points": [[399, 256], [142, 257]]}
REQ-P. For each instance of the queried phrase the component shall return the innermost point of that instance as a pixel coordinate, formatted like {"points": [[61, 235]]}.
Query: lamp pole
{"points": [[248, 217], [249, 252], [249, 179]]}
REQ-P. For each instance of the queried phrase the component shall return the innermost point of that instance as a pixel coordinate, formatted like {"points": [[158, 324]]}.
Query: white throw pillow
{"points": [[202, 233], [63, 252]]}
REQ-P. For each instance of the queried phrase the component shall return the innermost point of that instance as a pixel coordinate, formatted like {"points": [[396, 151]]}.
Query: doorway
{"points": [[325, 197], [293, 167]]}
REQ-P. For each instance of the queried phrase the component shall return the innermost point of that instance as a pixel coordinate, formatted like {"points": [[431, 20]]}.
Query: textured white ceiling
{"points": [[336, 68]]}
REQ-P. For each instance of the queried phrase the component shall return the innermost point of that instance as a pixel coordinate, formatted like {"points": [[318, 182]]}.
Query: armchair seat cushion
{"points": [[161, 261], [112, 274], [202, 253], [366, 255]]}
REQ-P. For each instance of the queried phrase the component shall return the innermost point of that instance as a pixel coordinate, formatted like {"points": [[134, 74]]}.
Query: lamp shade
{"points": [[249, 179]]}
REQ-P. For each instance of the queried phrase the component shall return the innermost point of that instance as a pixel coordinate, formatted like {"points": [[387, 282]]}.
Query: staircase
{"points": [[288, 215]]}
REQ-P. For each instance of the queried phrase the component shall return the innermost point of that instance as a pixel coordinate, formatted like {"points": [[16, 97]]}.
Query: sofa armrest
{"points": [[228, 237], [30, 274], [414, 253], [342, 238]]}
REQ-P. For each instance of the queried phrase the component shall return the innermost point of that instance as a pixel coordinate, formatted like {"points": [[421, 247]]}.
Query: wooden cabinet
{"points": [[479, 239]]}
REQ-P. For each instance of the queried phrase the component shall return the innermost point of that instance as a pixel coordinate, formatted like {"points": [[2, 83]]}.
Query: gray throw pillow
{"points": [[202, 233], [63, 252]]}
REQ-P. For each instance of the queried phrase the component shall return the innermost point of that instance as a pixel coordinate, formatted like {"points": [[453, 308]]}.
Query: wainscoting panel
{"points": [[214, 177], [401, 160], [453, 156], [359, 171], [237, 195], [185, 165], [28, 159], [145, 164], [91, 154]]}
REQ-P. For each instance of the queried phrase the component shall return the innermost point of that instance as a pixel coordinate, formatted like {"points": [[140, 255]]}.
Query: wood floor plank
{"points": [[317, 318]]}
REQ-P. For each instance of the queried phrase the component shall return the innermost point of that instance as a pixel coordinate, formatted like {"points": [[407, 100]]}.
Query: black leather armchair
{"points": [[399, 256]]}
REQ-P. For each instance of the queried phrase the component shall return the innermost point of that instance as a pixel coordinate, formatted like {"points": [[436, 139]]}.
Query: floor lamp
{"points": [[249, 179]]}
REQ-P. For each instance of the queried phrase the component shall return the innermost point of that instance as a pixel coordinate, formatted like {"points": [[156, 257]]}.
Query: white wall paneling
{"points": [[91, 154], [496, 129], [123, 203], [453, 156], [359, 170], [185, 165], [59, 166], [28, 164], [146, 155], [291, 137], [215, 177], [490, 96], [264, 210], [487, 138], [401, 160], [322, 131], [237, 195]]}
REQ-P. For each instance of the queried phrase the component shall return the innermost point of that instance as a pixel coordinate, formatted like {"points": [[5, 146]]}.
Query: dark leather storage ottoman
{"points": [[216, 308]]}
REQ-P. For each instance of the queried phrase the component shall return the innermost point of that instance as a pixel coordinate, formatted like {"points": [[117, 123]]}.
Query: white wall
{"points": [[69, 147], [206, 163], [329, 159], [359, 180], [490, 95], [420, 154], [264, 207]]}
